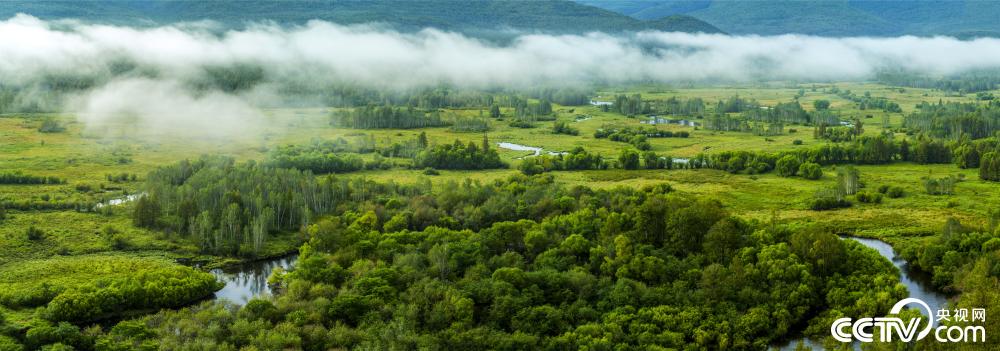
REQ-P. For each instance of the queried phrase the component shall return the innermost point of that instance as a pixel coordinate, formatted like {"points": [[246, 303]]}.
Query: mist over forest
{"points": [[220, 77], [497, 175]]}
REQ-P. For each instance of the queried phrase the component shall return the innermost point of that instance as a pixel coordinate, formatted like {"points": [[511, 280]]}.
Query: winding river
{"points": [[248, 280], [916, 282], [518, 147]]}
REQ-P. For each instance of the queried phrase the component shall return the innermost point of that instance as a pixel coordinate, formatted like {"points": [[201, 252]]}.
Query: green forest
{"points": [[496, 175]]}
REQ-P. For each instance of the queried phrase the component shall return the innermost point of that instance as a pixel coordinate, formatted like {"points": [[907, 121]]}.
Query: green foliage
{"points": [[21, 178], [229, 208], [63, 334], [10, 344], [989, 166], [167, 287], [955, 119], [459, 156], [810, 170], [821, 104], [576, 159], [828, 199], [893, 192], [50, 125], [940, 186], [470, 125], [868, 197], [560, 127], [637, 136], [382, 117], [319, 158], [542, 266], [34, 234], [146, 212], [787, 166], [628, 159]]}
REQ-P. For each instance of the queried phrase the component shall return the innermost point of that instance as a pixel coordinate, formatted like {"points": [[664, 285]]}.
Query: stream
{"points": [[248, 280], [518, 147], [118, 200], [916, 282]]}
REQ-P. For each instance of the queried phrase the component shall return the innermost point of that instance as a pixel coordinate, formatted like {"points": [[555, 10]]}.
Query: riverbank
{"points": [[917, 283]]}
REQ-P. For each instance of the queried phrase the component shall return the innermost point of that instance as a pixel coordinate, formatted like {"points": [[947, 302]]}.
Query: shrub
{"points": [[821, 104], [868, 197], [787, 166], [894, 192], [561, 127], [796, 142], [521, 124], [810, 170], [34, 234], [989, 166], [9, 344], [431, 171], [828, 199], [50, 125], [828, 203]]}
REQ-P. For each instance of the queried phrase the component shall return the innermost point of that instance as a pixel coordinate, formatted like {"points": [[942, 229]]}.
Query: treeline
{"points": [[961, 260], [228, 208], [316, 160], [967, 82], [632, 105], [543, 267], [580, 159], [18, 178], [682, 107], [765, 120], [727, 123], [736, 104], [351, 95], [839, 133], [879, 149], [162, 288], [459, 155], [386, 117], [576, 159], [955, 119], [867, 102], [783, 112], [636, 135]]}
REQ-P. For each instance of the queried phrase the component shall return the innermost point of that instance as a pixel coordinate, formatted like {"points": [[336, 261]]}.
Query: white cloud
{"points": [[318, 54]]}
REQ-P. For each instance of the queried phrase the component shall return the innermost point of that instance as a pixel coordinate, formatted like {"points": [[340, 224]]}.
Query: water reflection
{"points": [[245, 281]]}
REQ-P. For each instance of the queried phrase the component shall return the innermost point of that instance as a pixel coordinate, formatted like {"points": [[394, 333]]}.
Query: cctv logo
{"points": [[846, 330]]}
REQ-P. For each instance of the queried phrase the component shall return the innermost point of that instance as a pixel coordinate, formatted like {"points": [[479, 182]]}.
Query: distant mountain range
{"points": [[477, 17], [961, 18]]}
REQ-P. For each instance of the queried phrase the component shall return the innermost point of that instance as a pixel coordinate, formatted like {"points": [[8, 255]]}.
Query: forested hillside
{"points": [[472, 17], [826, 17]]}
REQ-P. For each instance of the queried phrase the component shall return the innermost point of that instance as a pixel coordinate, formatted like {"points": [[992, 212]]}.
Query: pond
{"points": [[916, 282], [654, 120], [248, 280], [118, 200]]}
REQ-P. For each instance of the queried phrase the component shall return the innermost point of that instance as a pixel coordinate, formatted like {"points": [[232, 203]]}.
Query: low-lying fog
{"points": [[190, 75]]}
